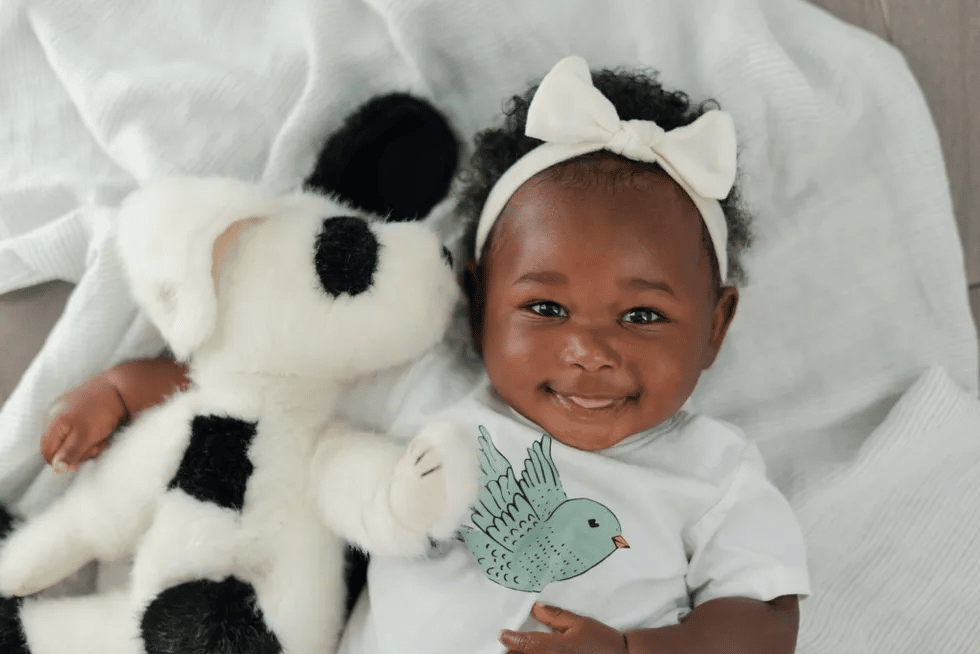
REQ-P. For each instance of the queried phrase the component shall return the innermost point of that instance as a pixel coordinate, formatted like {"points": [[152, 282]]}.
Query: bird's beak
{"points": [[620, 542]]}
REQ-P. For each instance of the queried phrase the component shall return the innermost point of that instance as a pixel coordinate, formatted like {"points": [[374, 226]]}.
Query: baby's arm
{"points": [[727, 624], [88, 414]]}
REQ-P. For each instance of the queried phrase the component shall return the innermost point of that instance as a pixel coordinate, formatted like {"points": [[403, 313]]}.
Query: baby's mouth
{"points": [[590, 402]]}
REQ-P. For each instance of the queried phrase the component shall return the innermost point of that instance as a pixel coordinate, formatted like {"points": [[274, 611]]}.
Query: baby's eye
{"points": [[641, 316], [548, 309]]}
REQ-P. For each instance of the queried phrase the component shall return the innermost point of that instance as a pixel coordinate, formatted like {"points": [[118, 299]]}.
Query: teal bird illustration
{"points": [[528, 533]]}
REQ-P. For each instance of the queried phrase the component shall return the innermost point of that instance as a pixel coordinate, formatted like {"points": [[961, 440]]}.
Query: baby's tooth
{"points": [[590, 404]]}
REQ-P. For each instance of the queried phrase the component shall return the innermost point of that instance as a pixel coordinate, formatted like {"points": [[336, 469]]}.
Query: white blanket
{"points": [[857, 284], [892, 536]]}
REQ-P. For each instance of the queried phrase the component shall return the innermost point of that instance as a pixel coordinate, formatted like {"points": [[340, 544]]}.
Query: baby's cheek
{"points": [[667, 378], [515, 349]]}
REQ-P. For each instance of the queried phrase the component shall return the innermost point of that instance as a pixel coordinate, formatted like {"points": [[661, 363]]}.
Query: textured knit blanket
{"points": [[853, 360]]}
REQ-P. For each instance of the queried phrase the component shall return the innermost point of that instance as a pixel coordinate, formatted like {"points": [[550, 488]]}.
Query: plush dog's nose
{"points": [[346, 255]]}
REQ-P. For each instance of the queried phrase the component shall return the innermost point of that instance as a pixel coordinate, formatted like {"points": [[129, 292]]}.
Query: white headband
{"points": [[573, 118]]}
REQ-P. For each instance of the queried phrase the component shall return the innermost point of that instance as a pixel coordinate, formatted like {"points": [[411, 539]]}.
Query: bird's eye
{"points": [[641, 315], [593, 523], [548, 309]]}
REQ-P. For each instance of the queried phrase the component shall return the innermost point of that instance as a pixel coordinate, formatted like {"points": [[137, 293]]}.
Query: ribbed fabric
{"points": [[893, 535]]}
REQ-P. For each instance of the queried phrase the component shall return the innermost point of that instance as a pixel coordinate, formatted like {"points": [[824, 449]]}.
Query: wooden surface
{"points": [[26, 317], [941, 42]]}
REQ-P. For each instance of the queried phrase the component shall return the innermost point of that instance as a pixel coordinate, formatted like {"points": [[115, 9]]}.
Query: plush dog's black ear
{"points": [[395, 156]]}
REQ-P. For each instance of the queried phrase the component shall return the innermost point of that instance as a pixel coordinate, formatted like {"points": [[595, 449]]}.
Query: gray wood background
{"points": [[940, 40]]}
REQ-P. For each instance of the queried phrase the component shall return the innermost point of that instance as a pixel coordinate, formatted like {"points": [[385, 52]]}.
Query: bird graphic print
{"points": [[527, 533]]}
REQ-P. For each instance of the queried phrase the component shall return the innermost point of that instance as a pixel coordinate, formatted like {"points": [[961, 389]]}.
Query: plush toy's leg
{"points": [[355, 576], [102, 514], [40, 554], [303, 593], [12, 638], [94, 624], [208, 617], [188, 540], [390, 499]]}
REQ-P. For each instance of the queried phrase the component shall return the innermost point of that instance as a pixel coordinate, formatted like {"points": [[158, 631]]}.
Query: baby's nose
{"points": [[590, 349]]}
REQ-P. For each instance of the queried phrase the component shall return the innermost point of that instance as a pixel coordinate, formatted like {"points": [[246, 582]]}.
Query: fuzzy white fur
{"points": [[269, 346]]}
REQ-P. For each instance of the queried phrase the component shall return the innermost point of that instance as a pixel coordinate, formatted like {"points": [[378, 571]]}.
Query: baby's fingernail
{"points": [[60, 467]]}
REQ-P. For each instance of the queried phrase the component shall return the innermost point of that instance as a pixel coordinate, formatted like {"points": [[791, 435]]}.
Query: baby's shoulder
{"points": [[701, 446]]}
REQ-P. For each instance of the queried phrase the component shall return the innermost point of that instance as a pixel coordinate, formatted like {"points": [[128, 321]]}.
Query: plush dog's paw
{"points": [[20, 569], [32, 559], [8, 577], [434, 483], [15, 573]]}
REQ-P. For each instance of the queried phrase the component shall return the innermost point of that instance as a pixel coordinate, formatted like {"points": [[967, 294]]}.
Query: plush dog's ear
{"points": [[395, 156], [166, 232]]}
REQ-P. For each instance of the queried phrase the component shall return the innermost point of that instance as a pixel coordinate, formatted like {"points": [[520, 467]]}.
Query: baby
{"points": [[605, 234]]}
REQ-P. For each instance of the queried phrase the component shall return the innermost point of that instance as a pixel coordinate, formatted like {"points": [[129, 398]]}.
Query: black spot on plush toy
{"points": [[235, 498]]}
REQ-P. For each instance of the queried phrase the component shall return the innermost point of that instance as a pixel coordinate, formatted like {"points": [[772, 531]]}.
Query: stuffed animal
{"points": [[235, 498]]}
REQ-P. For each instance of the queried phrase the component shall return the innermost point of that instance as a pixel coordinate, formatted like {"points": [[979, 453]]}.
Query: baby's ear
{"points": [[395, 156], [166, 233], [721, 320]]}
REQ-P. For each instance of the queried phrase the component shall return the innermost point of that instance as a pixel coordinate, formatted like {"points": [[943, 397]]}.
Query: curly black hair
{"points": [[637, 95]]}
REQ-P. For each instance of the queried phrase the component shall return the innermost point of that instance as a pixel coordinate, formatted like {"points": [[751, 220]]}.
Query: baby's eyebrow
{"points": [[650, 285], [542, 277]]}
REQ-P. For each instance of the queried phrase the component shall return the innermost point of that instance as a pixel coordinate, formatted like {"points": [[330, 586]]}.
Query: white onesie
{"points": [[634, 535]]}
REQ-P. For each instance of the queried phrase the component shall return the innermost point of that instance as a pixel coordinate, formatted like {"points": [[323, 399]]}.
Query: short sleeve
{"points": [[749, 543]]}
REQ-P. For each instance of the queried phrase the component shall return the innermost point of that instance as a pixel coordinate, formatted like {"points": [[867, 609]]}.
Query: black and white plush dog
{"points": [[234, 498]]}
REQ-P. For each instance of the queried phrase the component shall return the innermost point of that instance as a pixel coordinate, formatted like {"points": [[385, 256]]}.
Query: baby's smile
{"points": [[590, 403]]}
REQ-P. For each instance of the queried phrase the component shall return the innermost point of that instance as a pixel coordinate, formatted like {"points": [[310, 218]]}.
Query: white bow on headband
{"points": [[573, 118]]}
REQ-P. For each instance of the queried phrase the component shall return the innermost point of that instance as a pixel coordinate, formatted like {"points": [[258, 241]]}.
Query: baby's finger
{"points": [[97, 449], [73, 451], [526, 642], [54, 437], [557, 618]]}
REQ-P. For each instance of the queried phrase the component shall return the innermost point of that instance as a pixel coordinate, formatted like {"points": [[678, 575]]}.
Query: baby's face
{"points": [[600, 308]]}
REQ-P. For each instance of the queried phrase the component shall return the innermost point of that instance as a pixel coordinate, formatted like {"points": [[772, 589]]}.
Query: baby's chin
{"points": [[583, 440], [594, 424], [591, 436]]}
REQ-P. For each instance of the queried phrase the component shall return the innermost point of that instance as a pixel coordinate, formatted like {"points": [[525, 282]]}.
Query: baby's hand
{"points": [[81, 422], [571, 633]]}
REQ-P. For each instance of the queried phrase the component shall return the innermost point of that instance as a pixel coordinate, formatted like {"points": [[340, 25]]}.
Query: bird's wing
{"points": [[502, 510], [540, 481], [510, 525], [493, 464]]}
